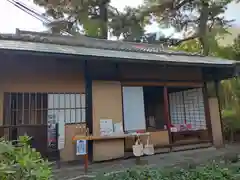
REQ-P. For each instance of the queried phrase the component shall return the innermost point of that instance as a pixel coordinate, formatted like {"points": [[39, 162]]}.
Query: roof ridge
{"points": [[90, 42], [47, 34]]}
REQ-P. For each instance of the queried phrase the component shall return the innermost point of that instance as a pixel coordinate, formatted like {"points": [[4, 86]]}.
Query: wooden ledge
{"points": [[98, 138]]}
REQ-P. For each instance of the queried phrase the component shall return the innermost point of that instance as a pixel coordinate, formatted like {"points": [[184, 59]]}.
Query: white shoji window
{"points": [[69, 108], [188, 106]]}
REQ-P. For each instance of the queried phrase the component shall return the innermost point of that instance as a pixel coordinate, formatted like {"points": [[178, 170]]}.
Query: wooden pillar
{"points": [[207, 111], [2, 130], [1, 107], [217, 83], [166, 113], [89, 107]]}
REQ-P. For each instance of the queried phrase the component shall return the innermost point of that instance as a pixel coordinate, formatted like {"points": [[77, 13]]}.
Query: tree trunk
{"points": [[232, 136], [104, 20], [202, 29]]}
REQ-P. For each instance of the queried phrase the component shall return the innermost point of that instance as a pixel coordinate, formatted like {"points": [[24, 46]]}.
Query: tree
{"points": [[199, 16], [230, 93], [95, 18], [129, 24], [69, 14], [236, 48]]}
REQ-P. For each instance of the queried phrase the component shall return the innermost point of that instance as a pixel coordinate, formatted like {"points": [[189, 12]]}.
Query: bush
{"points": [[211, 171], [22, 162], [231, 124]]}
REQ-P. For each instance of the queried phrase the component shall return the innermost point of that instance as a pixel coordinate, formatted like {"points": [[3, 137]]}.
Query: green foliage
{"points": [[195, 46], [230, 93], [230, 100], [211, 171], [231, 124], [21, 162], [70, 15], [236, 48], [95, 18], [201, 19], [129, 23], [192, 46]]}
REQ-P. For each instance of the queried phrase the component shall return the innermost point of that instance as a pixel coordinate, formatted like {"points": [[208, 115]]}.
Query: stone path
{"points": [[172, 159]]}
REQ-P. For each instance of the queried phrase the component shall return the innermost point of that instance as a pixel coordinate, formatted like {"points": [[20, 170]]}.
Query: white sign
{"points": [[61, 142], [106, 127], [61, 130], [81, 147], [174, 129], [118, 127]]}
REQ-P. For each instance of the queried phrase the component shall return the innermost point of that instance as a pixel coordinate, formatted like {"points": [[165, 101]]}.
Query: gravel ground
{"points": [[172, 159]]}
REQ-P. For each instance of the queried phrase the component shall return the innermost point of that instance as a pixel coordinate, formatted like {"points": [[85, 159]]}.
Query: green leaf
{"points": [[22, 162]]}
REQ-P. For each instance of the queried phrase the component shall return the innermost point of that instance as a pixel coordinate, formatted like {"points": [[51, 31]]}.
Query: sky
{"points": [[12, 17]]}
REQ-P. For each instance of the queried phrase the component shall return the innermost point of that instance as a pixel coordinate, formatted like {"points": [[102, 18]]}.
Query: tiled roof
{"points": [[89, 42], [82, 45]]}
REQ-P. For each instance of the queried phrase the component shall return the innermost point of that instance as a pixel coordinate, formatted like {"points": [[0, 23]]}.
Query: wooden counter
{"points": [[98, 138], [119, 136], [104, 147], [108, 147]]}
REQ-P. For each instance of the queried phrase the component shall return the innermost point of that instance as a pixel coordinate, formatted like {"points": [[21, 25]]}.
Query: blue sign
{"points": [[81, 147]]}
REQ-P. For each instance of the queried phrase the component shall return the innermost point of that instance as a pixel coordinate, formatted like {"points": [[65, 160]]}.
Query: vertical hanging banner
{"points": [[61, 135], [61, 129]]}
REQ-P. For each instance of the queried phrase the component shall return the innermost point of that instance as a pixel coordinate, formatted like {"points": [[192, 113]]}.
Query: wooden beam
{"points": [[216, 83], [207, 111], [167, 84], [166, 113], [89, 107]]}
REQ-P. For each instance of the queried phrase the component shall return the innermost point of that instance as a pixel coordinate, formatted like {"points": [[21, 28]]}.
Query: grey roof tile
{"points": [[42, 42]]}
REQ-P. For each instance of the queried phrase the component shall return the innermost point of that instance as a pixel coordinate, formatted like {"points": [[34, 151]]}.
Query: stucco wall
{"points": [[107, 104], [42, 76], [215, 122]]}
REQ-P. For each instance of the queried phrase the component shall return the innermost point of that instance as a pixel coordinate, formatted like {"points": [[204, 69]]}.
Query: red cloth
{"points": [[140, 131]]}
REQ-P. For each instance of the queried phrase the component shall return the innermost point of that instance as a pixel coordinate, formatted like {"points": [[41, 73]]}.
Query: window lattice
{"points": [[177, 108], [188, 107], [69, 108], [194, 105], [43, 108]]}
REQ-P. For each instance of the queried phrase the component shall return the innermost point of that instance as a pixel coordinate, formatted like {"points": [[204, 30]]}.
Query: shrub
{"points": [[231, 124], [22, 162], [211, 171]]}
